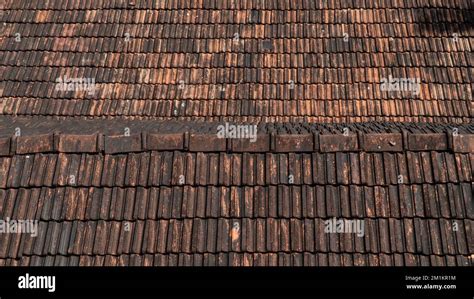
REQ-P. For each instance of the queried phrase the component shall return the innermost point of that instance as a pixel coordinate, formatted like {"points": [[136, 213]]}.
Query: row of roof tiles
{"points": [[340, 63], [230, 4], [295, 80], [367, 99], [425, 236], [345, 35], [241, 105], [264, 119], [235, 15], [249, 169], [218, 45], [453, 201], [270, 119], [262, 143], [242, 259], [42, 126]]}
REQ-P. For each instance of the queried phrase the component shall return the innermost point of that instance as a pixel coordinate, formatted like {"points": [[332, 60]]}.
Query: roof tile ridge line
{"points": [[458, 183], [354, 141], [230, 217]]}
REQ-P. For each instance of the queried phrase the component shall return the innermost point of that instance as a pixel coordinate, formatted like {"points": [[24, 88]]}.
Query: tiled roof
{"points": [[317, 61], [134, 173], [154, 199]]}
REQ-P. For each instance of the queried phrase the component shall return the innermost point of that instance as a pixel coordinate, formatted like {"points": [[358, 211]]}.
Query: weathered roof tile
{"points": [[338, 143], [77, 143], [34, 144], [122, 144]]}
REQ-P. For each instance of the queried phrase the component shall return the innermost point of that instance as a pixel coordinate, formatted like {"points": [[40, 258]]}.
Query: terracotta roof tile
{"points": [[134, 173], [403, 42]]}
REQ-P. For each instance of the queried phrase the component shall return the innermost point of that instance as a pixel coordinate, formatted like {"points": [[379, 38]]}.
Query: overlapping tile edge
{"points": [[208, 142]]}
